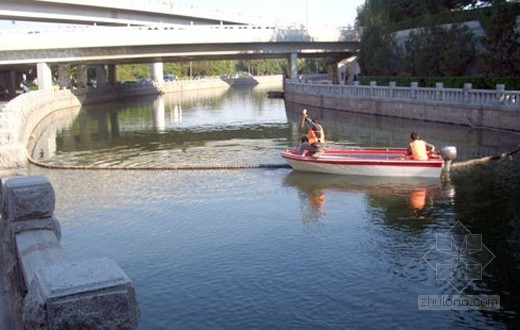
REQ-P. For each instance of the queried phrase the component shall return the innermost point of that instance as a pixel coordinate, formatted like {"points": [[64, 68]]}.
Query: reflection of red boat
{"points": [[367, 162]]}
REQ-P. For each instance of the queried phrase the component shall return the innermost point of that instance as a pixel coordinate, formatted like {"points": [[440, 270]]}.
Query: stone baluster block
{"points": [[28, 204]]}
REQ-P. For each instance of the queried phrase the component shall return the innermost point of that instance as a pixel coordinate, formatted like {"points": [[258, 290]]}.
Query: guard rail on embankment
{"points": [[497, 109]]}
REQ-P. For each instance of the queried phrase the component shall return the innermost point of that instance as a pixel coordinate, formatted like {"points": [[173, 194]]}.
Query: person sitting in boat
{"points": [[419, 149], [304, 145]]}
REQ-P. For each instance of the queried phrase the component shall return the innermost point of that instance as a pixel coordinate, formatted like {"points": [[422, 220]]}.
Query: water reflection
{"points": [[43, 141], [412, 198], [205, 127], [158, 117]]}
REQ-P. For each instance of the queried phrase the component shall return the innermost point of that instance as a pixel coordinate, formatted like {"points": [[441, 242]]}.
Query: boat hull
{"points": [[365, 163]]}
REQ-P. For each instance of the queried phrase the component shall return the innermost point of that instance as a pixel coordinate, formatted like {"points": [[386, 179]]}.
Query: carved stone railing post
{"points": [[58, 293]]}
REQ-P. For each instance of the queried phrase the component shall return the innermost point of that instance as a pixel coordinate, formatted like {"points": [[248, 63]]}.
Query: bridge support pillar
{"points": [[101, 80], [112, 74], [43, 71], [157, 72], [64, 76], [293, 66], [8, 80], [82, 76]]}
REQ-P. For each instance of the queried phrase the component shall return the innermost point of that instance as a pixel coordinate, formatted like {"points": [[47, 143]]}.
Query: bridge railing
{"points": [[281, 32], [508, 100]]}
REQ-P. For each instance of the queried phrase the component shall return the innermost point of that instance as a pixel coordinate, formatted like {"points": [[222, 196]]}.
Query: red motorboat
{"points": [[371, 162]]}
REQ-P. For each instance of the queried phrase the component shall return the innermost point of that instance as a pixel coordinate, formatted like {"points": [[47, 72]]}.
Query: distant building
{"points": [[345, 72]]}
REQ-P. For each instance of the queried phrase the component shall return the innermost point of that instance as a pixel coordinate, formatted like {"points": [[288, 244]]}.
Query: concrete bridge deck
{"points": [[162, 43], [118, 13]]}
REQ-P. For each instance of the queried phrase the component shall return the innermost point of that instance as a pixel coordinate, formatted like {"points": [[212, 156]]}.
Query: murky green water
{"points": [[272, 248]]}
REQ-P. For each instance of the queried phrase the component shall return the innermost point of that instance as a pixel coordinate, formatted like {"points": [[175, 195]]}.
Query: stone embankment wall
{"points": [[19, 117], [497, 109]]}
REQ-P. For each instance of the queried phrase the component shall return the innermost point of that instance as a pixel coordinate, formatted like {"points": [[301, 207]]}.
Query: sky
{"points": [[313, 12], [306, 12]]}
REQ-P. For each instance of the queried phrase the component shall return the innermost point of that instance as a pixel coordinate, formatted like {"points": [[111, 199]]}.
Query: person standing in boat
{"points": [[419, 149], [316, 132], [315, 136]]}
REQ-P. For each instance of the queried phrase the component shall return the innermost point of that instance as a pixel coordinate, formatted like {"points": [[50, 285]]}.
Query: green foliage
{"points": [[447, 17], [183, 70], [314, 65], [501, 41], [378, 52], [437, 51], [262, 67]]}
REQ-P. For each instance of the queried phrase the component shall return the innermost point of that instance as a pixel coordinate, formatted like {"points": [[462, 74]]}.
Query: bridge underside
{"points": [[176, 53]]}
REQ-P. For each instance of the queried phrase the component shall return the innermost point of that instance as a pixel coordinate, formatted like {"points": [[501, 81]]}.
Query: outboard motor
{"points": [[448, 154]]}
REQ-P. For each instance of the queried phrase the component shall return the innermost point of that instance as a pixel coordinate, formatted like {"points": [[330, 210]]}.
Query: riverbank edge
{"points": [[461, 114]]}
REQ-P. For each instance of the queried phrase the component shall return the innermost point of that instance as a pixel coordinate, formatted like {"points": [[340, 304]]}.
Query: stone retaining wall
{"points": [[19, 117], [498, 109]]}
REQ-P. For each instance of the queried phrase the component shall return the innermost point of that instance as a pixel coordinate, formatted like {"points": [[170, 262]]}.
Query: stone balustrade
{"points": [[463, 96], [50, 291]]}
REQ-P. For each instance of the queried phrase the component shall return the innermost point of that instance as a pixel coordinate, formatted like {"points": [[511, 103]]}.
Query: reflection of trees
{"points": [[106, 126]]}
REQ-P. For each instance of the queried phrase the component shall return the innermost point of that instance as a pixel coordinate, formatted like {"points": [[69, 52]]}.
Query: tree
{"points": [[378, 50], [459, 53], [501, 42], [436, 51]]}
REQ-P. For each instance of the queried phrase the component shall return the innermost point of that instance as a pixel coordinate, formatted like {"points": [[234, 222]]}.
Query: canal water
{"points": [[276, 249]]}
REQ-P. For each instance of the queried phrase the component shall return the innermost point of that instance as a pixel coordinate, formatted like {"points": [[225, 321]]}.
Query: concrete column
{"points": [[293, 66], [64, 76], [82, 77], [112, 74], [43, 71], [157, 72], [100, 76]]}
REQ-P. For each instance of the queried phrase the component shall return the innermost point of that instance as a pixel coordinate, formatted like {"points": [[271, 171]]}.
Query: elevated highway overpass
{"points": [[118, 13], [119, 32], [116, 45]]}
